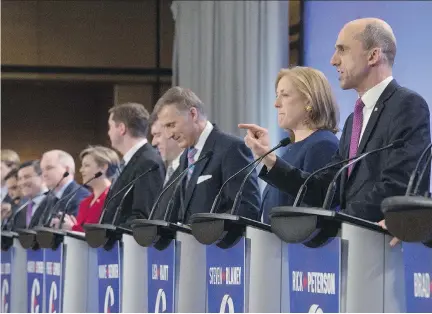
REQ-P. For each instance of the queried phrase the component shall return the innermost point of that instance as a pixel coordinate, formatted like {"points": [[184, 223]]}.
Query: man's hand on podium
{"points": [[393, 241]]}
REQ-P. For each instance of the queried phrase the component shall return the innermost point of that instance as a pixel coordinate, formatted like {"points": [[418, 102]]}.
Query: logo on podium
{"points": [[226, 278], [35, 280], [161, 274], [227, 302], [161, 303], [35, 292], [109, 299], [5, 296], [315, 309], [52, 298], [109, 279]]}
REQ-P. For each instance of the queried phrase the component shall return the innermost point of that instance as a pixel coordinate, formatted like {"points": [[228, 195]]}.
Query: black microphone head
{"points": [[65, 174], [398, 143], [285, 142], [154, 167], [98, 174]]}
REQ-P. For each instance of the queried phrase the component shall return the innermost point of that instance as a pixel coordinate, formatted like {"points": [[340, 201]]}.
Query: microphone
{"points": [[415, 172], [422, 173], [131, 183], [179, 178], [71, 196], [41, 218], [282, 143], [332, 187], [303, 187], [255, 164]]}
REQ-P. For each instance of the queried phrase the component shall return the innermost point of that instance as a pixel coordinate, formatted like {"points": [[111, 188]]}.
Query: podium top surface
{"points": [[289, 211]]}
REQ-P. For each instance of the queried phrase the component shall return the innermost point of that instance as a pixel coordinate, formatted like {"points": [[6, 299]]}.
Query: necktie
{"points": [[29, 213], [118, 172], [356, 130], [190, 155], [169, 173]]}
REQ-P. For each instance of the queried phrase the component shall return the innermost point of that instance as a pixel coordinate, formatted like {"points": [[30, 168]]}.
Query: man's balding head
{"points": [[365, 53], [376, 33], [54, 164]]}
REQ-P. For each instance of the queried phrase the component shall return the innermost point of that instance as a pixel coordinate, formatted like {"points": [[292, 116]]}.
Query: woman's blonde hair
{"points": [[312, 84], [103, 156]]}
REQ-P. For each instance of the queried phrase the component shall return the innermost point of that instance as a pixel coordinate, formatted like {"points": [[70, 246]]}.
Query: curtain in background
{"points": [[229, 53]]}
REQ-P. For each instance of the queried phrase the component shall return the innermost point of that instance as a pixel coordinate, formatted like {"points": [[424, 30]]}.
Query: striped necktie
{"points": [[190, 155]]}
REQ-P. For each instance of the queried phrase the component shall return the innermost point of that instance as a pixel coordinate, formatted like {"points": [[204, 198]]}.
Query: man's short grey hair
{"points": [[376, 35], [183, 98], [65, 159]]}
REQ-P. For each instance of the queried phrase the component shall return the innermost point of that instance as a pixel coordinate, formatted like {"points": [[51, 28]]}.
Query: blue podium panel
{"points": [[35, 281], [6, 279], [225, 270], [418, 274], [109, 279], [53, 284], [161, 283], [314, 277]]}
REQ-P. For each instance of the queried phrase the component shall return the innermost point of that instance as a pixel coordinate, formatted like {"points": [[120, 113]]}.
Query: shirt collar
{"points": [[60, 192], [128, 156], [371, 97], [202, 139], [38, 199], [176, 162]]}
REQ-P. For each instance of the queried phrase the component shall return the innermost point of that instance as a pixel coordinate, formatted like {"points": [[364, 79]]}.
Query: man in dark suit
{"points": [[182, 114], [384, 112], [170, 153], [128, 125], [33, 189], [8, 209], [54, 164]]}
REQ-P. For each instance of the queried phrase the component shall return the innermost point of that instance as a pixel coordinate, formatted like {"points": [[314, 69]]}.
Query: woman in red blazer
{"points": [[94, 159]]}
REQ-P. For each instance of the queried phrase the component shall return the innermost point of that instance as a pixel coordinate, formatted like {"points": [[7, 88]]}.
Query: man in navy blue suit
{"points": [[54, 164], [183, 117], [384, 112]]}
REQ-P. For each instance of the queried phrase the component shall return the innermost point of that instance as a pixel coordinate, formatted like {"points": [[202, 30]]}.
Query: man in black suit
{"points": [[54, 164], [128, 125], [182, 114], [384, 112]]}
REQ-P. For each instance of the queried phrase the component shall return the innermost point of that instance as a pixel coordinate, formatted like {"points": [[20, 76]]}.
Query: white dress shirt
{"points": [[202, 139], [128, 156], [60, 192], [370, 99], [174, 165]]}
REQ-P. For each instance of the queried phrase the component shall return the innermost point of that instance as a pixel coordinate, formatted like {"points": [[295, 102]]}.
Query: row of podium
{"points": [[308, 260]]}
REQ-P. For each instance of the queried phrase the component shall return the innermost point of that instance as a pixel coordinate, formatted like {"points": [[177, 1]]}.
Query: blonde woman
{"points": [[94, 159], [307, 109]]}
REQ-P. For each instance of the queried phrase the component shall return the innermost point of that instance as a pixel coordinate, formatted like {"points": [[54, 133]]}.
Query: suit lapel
{"points": [[374, 117], [118, 183], [199, 168]]}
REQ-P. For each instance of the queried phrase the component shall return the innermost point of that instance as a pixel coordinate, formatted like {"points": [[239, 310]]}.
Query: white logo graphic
{"points": [[109, 299], [35, 291], [315, 309], [4, 293], [160, 298], [52, 298], [227, 300]]}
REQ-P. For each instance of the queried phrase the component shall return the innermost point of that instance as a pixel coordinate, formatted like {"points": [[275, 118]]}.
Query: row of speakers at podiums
{"points": [[307, 260]]}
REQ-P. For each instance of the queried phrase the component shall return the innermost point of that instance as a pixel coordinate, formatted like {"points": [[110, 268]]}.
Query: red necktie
{"points": [[356, 130]]}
